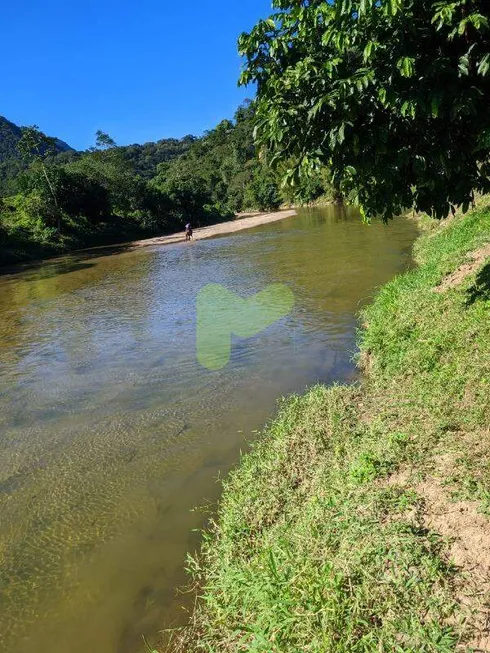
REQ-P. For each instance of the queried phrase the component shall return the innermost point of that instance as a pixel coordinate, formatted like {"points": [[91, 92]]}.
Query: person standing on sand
{"points": [[188, 232]]}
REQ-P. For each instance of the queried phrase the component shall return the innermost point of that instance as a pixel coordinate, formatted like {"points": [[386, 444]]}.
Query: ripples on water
{"points": [[110, 431]]}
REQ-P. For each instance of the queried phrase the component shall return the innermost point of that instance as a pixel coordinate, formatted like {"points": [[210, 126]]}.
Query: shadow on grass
{"points": [[480, 290]]}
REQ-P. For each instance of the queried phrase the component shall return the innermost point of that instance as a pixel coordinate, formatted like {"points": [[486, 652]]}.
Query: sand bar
{"points": [[243, 221]]}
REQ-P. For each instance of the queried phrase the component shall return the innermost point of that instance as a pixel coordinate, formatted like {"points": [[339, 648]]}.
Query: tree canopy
{"points": [[222, 169], [391, 95]]}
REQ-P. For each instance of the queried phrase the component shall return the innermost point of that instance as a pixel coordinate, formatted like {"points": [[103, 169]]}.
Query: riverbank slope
{"points": [[360, 520]]}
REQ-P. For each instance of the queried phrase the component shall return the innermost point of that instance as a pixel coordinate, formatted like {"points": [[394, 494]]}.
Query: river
{"points": [[111, 432]]}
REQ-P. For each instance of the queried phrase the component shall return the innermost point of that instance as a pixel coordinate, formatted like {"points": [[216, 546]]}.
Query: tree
{"points": [[262, 191], [106, 165], [34, 147], [80, 196], [185, 187], [391, 95], [103, 141], [76, 195]]}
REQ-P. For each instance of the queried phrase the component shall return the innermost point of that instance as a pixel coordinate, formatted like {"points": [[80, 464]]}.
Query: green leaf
{"points": [[406, 66], [462, 26], [368, 50], [464, 65], [484, 65], [434, 106], [341, 134], [478, 21]]}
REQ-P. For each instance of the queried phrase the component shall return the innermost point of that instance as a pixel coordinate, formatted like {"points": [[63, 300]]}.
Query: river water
{"points": [[111, 432]]}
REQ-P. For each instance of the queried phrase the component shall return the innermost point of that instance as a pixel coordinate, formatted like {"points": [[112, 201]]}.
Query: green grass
{"points": [[316, 546]]}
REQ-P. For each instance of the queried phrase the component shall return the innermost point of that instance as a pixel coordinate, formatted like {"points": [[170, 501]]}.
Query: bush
{"points": [[263, 194]]}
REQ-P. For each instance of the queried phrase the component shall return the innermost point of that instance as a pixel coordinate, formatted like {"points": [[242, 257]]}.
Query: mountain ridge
{"points": [[143, 157], [11, 163], [10, 134]]}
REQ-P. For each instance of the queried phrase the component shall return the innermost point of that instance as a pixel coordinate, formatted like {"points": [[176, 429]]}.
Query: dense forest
{"points": [[53, 199]]}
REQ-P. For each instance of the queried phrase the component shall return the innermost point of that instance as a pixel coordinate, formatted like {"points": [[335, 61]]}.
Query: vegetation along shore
{"points": [[360, 520], [54, 199]]}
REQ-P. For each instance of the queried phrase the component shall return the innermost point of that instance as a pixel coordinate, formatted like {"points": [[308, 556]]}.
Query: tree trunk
{"points": [[53, 193]]}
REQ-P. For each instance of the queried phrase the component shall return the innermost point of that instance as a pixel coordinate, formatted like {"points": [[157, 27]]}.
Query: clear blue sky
{"points": [[138, 69]]}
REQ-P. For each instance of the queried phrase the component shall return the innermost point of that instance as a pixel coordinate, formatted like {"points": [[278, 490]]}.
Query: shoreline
{"points": [[240, 223]]}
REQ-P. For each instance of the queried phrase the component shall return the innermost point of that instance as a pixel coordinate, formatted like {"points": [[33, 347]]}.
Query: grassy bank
{"points": [[359, 520]]}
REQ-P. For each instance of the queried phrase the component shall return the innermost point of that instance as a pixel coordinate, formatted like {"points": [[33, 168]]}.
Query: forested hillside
{"points": [[11, 163], [55, 199], [145, 158]]}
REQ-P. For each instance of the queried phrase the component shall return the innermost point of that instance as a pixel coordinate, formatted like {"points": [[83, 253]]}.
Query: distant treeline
{"points": [[54, 199]]}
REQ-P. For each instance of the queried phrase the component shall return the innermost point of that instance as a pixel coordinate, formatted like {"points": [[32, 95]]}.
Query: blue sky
{"points": [[138, 69]]}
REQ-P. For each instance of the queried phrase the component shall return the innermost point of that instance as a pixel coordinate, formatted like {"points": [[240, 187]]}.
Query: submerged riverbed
{"points": [[111, 431]]}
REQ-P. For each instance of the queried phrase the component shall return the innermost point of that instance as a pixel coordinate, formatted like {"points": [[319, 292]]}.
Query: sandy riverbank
{"points": [[243, 221]]}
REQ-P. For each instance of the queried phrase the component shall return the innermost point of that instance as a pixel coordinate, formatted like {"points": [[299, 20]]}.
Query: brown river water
{"points": [[111, 432]]}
